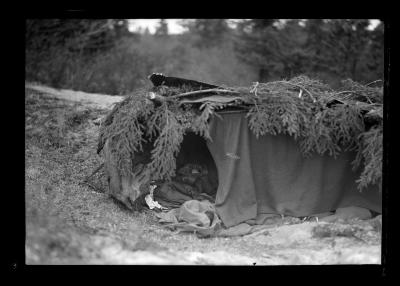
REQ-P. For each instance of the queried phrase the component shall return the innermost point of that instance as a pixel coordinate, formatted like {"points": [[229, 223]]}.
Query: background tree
{"points": [[329, 49], [103, 56], [207, 32], [338, 46], [374, 61], [274, 47], [162, 28], [74, 34], [60, 46]]}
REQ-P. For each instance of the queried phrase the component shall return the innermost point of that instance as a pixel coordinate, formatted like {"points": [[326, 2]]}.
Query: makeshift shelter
{"points": [[294, 148]]}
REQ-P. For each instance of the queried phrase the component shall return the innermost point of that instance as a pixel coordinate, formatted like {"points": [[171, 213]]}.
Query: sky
{"points": [[174, 27], [151, 24]]}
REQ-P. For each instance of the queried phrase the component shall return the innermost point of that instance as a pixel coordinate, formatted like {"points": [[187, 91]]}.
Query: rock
{"points": [[353, 212], [348, 213], [379, 218]]}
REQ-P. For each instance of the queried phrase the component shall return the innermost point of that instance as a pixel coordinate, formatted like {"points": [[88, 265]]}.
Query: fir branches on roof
{"points": [[371, 152], [321, 119]]}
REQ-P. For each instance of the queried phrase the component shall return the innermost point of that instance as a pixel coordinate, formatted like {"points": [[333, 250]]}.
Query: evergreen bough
{"points": [[320, 119]]}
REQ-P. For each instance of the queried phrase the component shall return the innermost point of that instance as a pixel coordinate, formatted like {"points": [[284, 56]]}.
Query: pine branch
{"points": [[204, 91], [371, 153]]}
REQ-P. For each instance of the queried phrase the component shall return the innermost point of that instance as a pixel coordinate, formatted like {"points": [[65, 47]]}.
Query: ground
{"points": [[72, 222]]}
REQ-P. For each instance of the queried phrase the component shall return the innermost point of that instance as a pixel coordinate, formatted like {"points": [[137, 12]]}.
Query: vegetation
{"points": [[103, 56], [69, 223], [321, 119]]}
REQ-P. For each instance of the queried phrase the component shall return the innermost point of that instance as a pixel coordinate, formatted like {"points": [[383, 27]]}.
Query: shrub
{"points": [[125, 67]]}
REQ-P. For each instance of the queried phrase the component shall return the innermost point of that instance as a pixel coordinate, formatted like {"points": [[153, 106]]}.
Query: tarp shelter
{"points": [[257, 177], [269, 175]]}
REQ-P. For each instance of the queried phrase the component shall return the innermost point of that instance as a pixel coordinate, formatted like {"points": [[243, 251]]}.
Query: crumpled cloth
{"points": [[195, 216], [200, 217], [191, 183]]}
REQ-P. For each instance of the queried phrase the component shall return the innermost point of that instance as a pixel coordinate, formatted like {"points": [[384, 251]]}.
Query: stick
{"points": [[155, 96], [298, 86], [94, 187], [356, 92], [258, 232], [94, 172], [204, 91], [348, 91], [378, 80], [232, 111]]}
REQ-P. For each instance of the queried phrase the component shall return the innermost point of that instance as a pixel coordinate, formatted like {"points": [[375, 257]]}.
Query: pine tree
{"points": [[339, 46], [274, 46], [162, 28], [207, 32]]}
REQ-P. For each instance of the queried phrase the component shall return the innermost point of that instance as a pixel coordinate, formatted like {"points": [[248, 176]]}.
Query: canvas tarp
{"points": [[269, 175]]}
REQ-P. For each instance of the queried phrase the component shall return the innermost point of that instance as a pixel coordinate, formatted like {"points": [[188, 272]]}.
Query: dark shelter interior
{"points": [[196, 174], [194, 150]]}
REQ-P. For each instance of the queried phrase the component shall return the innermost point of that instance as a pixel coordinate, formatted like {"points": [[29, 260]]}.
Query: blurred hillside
{"points": [[103, 56]]}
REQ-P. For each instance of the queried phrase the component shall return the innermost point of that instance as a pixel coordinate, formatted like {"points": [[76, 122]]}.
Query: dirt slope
{"points": [[89, 99]]}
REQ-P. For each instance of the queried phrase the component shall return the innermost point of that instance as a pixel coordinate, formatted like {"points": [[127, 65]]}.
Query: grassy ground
{"points": [[68, 222]]}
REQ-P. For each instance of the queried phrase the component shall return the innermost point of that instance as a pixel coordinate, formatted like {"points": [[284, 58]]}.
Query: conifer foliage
{"points": [[320, 119]]}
